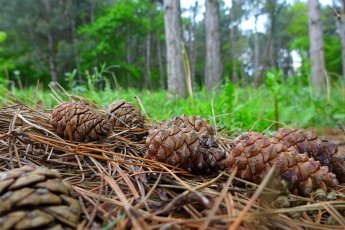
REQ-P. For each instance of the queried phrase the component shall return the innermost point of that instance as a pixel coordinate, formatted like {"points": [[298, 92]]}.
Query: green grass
{"points": [[236, 108]]}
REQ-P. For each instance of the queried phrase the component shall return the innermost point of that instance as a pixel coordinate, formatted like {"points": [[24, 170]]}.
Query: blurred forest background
{"points": [[167, 48]]}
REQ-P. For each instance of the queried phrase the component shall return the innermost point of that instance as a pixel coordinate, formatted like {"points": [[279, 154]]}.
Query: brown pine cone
{"points": [[255, 153], [319, 148], [36, 198], [125, 114], [188, 123], [80, 120], [338, 165], [309, 142], [187, 150]]}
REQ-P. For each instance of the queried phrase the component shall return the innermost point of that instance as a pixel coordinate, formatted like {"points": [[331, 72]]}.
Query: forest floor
{"points": [[167, 201], [157, 195]]}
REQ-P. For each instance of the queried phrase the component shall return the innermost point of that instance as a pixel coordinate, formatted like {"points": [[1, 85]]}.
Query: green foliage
{"points": [[275, 81], [298, 19], [114, 33], [70, 79], [298, 26], [228, 69], [97, 80], [89, 32]]}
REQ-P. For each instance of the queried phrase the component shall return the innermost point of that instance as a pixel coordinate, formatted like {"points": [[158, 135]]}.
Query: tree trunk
{"points": [[52, 55], [75, 49], [290, 64], [273, 14], [266, 55], [148, 57], [316, 43], [51, 47], [256, 53], [340, 24], [233, 44], [160, 63], [272, 55], [92, 12], [213, 66], [342, 36], [191, 54], [192, 39], [173, 35], [244, 76], [129, 59]]}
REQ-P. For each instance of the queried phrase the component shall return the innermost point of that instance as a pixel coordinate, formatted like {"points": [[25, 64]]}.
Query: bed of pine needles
{"points": [[118, 189]]}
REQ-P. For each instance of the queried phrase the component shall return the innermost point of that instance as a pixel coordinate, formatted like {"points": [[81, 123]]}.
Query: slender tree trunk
{"points": [[160, 63], [273, 14], [51, 46], [342, 36], [266, 56], [233, 44], [191, 54], [148, 58], [52, 55], [316, 43], [340, 24], [92, 12], [75, 49], [290, 70], [272, 55], [192, 40], [129, 59], [173, 34], [291, 64], [92, 20], [256, 54], [269, 40], [244, 76], [214, 66]]}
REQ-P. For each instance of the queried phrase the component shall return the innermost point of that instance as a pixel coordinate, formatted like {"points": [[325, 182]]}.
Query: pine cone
{"points": [[255, 153], [319, 148], [309, 142], [36, 199], [188, 150], [80, 120], [125, 114], [188, 123], [338, 165]]}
